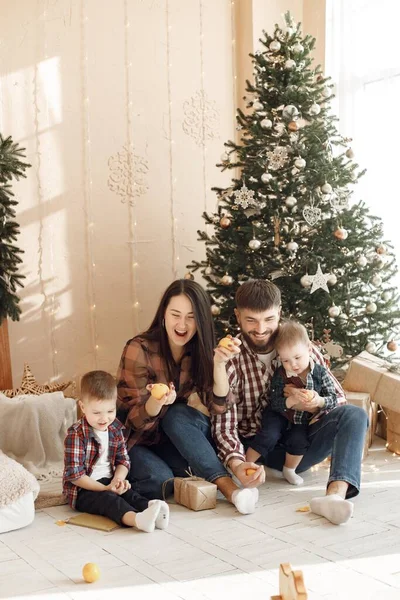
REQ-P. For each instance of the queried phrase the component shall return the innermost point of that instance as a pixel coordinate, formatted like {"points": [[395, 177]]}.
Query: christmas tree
{"points": [[289, 215], [11, 166]]}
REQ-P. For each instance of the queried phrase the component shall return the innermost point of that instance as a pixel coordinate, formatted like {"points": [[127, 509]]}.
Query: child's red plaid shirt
{"points": [[81, 451]]}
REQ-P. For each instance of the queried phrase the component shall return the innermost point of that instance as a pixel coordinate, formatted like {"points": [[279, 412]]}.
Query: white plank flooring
{"points": [[220, 554]]}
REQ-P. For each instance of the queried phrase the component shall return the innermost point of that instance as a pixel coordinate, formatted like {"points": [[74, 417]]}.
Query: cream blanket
{"points": [[15, 481], [33, 428]]}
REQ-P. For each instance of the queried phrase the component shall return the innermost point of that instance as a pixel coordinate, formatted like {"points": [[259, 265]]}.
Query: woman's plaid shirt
{"points": [[81, 451], [249, 381]]}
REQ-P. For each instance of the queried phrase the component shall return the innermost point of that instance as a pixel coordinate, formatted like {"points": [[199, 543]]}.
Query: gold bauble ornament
{"points": [[226, 280], [381, 249], [215, 310], [341, 233], [189, 276], [225, 222], [392, 346]]}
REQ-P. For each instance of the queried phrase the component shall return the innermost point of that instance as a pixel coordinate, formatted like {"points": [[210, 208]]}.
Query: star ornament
{"points": [[319, 281], [29, 385]]}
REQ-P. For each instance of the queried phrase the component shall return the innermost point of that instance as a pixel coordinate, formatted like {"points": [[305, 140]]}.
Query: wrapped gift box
{"points": [[393, 431], [363, 400], [195, 493], [367, 373]]}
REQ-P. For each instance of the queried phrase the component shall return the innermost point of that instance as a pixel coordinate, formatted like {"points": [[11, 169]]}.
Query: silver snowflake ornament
{"points": [[244, 197], [278, 158]]}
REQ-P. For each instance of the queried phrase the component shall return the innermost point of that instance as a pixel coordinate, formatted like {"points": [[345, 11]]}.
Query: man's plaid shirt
{"points": [[81, 451], [249, 381]]}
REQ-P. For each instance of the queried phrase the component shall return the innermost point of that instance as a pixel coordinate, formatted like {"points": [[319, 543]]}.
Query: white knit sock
{"points": [[245, 500], [146, 520], [291, 476], [163, 516], [333, 508]]}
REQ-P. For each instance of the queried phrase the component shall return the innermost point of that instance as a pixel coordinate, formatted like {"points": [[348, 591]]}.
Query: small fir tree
{"points": [[11, 166], [289, 217]]}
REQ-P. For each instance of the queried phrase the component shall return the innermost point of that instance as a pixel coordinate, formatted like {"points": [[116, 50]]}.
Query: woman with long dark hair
{"points": [[169, 435]]}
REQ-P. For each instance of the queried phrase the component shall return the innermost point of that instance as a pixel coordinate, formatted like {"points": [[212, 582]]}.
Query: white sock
{"points": [[163, 516], [273, 473], [146, 520], [333, 508], [245, 500], [291, 476]]}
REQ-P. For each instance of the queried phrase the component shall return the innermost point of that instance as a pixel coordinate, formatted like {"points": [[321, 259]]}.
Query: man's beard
{"points": [[264, 347]]}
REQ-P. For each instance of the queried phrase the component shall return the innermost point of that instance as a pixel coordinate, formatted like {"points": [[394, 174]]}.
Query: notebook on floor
{"points": [[93, 522]]}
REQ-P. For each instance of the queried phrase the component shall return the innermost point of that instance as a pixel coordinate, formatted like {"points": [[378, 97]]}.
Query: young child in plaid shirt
{"points": [[96, 462], [311, 383]]}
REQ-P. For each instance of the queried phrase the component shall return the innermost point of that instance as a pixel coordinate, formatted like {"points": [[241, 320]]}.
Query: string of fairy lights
{"points": [[88, 187]]}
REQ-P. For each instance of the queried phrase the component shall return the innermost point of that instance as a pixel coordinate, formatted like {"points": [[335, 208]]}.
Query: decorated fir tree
{"points": [[290, 214], [11, 167]]}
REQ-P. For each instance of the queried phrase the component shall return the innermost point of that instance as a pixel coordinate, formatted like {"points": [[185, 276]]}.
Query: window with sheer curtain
{"points": [[363, 59]]}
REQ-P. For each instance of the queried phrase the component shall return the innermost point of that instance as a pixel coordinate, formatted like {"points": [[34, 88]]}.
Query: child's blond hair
{"points": [[291, 332], [98, 385]]}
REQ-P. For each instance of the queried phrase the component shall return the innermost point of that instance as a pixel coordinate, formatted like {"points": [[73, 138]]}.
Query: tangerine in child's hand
{"points": [[310, 394], [91, 572], [250, 471], [159, 390], [226, 342]]}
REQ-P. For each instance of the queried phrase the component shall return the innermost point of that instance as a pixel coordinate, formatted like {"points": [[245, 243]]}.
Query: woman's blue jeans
{"points": [[188, 444]]}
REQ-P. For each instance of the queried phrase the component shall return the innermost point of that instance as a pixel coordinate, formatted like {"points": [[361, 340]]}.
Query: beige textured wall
{"points": [[109, 97]]}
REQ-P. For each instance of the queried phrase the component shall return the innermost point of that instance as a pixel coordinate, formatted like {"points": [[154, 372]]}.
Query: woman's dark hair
{"points": [[202, 343]]}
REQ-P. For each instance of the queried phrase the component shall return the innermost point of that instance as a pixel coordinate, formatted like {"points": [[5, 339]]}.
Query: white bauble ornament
{"points": [[362, 261], [314, 109], [334, 311], [226, 280], [189, 276], [326, 92], [392, 346], [326, 188], [376, 280], [258, 106], [265, 177], [370, 347], [215, 310], [332, 279], [297, 48], [208, 270], [255, 244], [343, 318], [280, 129], [306, 281], [371, 308], [292, 246], [290, 64], [300, 163], [266, 123], [386, 296], [290, 112], [224, 157], [275, 46], [350, 153], [290, 201], [341, 233], [381, 249]]}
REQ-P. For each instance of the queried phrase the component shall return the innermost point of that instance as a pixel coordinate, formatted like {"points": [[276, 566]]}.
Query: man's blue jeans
{"points": [[341, 434], [189, 444]]}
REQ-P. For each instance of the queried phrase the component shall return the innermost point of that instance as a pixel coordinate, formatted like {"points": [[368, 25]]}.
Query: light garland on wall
{"points": [[88, 188], [131, 202], [172, 181], [48, 305], [203, 115]]}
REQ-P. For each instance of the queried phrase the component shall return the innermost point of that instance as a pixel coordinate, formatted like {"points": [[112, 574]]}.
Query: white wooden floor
{"points": [[219, 554]]}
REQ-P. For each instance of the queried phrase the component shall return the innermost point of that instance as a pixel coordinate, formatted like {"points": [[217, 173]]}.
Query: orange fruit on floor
{"points": [[250, 471], [91, 572], [159, 390]]}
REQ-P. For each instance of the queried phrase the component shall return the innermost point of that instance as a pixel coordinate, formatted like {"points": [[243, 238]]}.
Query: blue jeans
{"points": [[189, 444], [341, 434], [276, 427]]}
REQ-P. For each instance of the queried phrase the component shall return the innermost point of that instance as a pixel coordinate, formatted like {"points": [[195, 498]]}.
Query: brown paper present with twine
{"points": [[363, 400], [195, 493]]}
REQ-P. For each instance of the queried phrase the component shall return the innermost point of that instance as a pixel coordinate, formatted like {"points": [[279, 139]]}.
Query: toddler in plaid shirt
{"points": [[96, 462], [310, 383]]}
